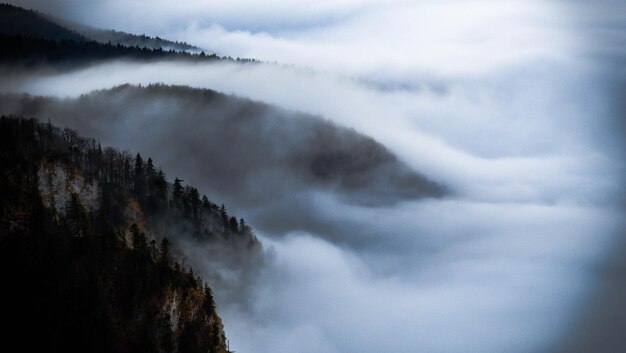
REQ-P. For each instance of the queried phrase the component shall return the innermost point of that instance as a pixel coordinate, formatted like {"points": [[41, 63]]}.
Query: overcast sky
{"points": [[512, 105]]}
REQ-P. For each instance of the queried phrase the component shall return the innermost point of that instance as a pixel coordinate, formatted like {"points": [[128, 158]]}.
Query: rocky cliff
{"points": [[85, 264]]}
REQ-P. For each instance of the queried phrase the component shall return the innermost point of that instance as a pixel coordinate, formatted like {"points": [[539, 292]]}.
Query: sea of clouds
{"points": [[513, 106]]}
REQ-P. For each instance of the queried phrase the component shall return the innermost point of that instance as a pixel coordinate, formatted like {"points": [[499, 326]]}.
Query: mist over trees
{"points": [[102, 252], [273, 161], [15, 21], [29, 38], [261, 139], [26, 51]]}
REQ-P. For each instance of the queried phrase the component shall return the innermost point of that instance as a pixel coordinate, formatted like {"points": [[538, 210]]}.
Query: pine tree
{"points": [[224, 216], [127, 172], [205, 202], [209, 301], [194, 199], [242, 225], [150, 171], [165, 250], [75, 214], [151, 174], [138, 238], [232, 223], [139, 179], [160, 189], [177, 193]]}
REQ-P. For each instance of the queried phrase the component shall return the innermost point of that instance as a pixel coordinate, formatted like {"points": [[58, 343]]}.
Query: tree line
{"points": [[120, 175], [31, 51]]}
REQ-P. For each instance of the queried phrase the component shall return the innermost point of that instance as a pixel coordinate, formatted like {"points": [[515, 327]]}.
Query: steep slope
{"points": [[27, 51], [85, 248], [28, 38], [15, 21], [127, 39]]}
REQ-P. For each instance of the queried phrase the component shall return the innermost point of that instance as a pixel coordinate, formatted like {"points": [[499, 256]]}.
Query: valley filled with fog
{"points": [[485, 209]]}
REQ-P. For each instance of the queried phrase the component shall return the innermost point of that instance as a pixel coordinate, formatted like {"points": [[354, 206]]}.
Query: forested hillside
{"points": [[85, 247], [263, 142], [15, 21], [29, 23], [28, 38], [128, 39], [27, 51]]}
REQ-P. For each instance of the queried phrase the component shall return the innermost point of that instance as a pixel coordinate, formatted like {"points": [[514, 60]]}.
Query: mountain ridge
{"points": [[29, 38], [309, 148], [32, 23], [16, 21]]}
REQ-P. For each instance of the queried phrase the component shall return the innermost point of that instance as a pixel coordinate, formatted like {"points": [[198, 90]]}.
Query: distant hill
{"points": [[128, 39], [16, 21], [244, 145], [29, 38], [28, 51]]}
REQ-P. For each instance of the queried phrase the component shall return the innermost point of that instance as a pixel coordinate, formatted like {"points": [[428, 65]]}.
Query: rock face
{"points": [[57, 183], [76, 275]]}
